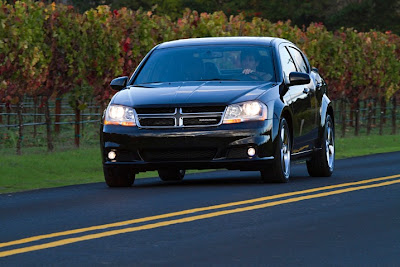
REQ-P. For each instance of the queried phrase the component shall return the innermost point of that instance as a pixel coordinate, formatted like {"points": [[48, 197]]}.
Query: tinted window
{"points": [[287, 62], [196, 63], [298, 57]]}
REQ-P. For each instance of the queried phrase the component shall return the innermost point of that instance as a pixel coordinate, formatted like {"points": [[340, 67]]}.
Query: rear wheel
{"points": [[323, 160], [171, 174], [279, 171], [119, 176]]}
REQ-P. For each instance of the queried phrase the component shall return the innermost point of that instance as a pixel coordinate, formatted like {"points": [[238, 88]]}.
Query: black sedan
{"points": [[239, 103]]}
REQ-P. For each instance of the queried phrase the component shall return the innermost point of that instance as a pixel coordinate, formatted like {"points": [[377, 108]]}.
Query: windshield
{"points": [[208, 63]]}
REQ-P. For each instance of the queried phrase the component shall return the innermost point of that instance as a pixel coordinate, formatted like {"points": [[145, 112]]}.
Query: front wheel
{"points": [[119, 176], [279, 171], [323, 160], [171, 174]]}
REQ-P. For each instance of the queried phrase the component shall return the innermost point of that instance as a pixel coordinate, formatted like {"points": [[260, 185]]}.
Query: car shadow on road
{"points": [[231, 178]]}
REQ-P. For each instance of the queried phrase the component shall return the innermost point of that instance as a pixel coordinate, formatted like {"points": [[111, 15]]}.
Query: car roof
{"points": [[239, 40]]}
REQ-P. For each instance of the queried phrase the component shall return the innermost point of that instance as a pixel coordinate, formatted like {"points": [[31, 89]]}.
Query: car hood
{"points": [[190, 93]]}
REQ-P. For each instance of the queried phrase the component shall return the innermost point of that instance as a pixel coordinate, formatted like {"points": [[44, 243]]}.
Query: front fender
{"points": [[326, 108], [326, 103], [280, 109]]}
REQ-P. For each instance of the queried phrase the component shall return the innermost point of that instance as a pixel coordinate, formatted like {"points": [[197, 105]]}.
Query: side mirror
{"points": [[299, 78], [119, 83]]}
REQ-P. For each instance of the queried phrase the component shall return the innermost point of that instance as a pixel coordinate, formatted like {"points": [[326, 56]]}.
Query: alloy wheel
{"points": [[285, 150]]}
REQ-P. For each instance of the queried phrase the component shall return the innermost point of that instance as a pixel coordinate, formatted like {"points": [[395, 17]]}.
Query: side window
{"points": [[287, 62], [298, 57]]}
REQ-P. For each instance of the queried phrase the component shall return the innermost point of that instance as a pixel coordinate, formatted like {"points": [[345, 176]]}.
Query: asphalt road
{"points": [[221, 218]]}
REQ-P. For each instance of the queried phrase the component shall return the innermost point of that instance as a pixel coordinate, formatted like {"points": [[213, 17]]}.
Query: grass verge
{"points": [[366, 145], [37, 169]]}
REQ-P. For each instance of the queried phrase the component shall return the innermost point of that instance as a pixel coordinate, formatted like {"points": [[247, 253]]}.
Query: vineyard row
{"points": [[51, 51]]}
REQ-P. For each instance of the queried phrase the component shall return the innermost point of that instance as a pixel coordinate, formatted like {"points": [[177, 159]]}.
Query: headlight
{"points": [[246, 111], [120, 115]]}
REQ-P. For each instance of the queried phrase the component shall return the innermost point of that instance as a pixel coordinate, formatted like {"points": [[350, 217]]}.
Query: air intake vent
{"points": [[201, 121], [155, 110], [203, 109], [181, 155], [157, 121]]}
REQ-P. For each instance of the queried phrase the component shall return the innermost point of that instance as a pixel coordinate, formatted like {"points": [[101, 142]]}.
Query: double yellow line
{"points": [[246, 206]]}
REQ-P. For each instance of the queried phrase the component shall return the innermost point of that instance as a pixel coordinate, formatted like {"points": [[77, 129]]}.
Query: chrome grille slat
{"points": [[181, 119]]}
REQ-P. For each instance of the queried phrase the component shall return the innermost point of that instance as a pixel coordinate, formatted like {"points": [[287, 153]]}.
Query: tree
{"points": [[23, 64]]}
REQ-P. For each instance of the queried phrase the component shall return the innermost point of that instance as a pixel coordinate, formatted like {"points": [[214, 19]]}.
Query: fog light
{"points": [[112, 155], [251, 152]]}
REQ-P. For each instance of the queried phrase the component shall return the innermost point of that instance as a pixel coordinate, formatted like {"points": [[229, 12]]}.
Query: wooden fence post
{"points": [[364, 110], [35, 116], [383, 106], [382, 115], [374, 111], [57, 117], [1, 115], [343, 115], [351, 122], [8, 111], [394, 110], [50, 146], [357, 118], [20, 106], [369, 121], [77, 124]]}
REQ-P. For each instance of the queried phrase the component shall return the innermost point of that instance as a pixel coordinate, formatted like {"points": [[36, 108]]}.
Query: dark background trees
{"points": [[362, 15]]}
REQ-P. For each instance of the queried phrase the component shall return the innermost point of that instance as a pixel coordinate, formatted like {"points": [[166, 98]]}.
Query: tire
{"points": [[171, 174], [279, 171], [119, 176], [323, 161]]}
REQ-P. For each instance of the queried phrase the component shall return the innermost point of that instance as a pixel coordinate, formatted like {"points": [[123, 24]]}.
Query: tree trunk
{"points": [[343, 115], [394, 110], [77, 125], [374, 111], [357, 118], [82, 125], [41, 109], [57, 117], [47, 116], [8, 111], [369, 121], [383, 108], [20, 106], [102, 107], [364, 112], [34, 117], [382, 116], [351, 122]]}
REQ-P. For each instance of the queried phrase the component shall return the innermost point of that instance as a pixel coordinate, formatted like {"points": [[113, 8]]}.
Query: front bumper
{"points": [[224, 146]]}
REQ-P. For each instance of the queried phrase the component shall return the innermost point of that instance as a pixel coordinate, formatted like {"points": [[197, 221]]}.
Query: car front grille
{"points": [[179, 117], [157, 122], [177, 154], [203, 109], [155, 110]]}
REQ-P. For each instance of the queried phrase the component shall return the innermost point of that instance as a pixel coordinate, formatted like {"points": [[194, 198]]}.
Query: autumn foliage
{"points": [[54, 51]]}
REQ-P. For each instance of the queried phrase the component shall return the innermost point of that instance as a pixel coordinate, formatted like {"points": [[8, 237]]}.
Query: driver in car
{"points": [[250, 64]]}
